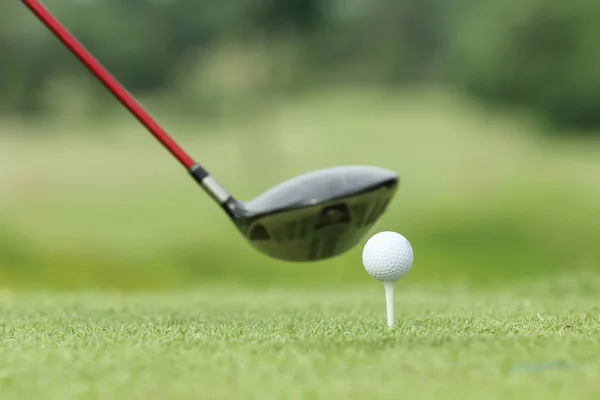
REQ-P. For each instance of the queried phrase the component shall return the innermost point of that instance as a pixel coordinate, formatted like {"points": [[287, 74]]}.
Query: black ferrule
{"points": [[198, 173]]}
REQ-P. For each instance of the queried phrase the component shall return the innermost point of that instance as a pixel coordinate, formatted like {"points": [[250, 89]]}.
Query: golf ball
{"points": [[388, 256]]}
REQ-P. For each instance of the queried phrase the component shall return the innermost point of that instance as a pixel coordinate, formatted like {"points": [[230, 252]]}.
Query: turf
{"points": [[498, 305], [529, 342]]}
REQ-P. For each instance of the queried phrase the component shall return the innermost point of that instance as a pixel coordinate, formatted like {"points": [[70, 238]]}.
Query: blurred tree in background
{"points": [[537, 55]]}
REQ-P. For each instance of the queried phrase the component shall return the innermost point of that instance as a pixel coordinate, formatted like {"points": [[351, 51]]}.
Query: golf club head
{"points": [[318, 215]]}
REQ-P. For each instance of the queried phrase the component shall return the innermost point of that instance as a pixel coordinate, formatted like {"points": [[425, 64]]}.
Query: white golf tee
{"points": [[389, 302]]}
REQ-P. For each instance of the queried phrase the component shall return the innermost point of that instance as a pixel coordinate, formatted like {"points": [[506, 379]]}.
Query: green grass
{"points": [[232, 342], [503, 222]]}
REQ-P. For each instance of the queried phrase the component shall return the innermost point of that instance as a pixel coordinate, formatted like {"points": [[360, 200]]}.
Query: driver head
{"points": [[318, 215]]}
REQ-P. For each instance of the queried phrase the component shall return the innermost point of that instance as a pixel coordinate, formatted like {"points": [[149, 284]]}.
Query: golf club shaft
{"points": [[200, 174]]}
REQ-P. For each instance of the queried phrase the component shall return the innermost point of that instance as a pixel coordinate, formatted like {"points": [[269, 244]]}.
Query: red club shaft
{"points": [[109, 81]]}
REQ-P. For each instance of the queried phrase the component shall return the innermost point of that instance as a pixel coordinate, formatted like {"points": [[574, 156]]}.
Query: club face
{"points": [[319, 231]]}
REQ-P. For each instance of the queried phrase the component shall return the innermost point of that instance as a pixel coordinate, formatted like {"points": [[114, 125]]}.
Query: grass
{"points": [[502, 220], [233, 342]]}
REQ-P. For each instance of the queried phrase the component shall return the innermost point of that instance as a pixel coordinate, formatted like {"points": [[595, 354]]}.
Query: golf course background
{"points": [[493, 131], [121, 279], [485, 197]]}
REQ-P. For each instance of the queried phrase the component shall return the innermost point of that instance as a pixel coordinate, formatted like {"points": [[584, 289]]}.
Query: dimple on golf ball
{"points": [[388, 256]]}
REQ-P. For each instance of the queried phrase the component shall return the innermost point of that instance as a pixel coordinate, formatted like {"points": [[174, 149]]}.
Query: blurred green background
{"points": [[490, 111]]}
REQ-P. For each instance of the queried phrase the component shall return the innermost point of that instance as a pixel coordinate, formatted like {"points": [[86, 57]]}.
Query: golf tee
{"points": [[389, 302]]}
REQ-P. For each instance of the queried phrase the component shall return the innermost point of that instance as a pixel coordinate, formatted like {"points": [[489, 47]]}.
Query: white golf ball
{"points": [[388, 256]]}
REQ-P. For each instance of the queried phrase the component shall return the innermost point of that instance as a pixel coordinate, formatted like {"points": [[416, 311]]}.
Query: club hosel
{"points": [[209, 184]]}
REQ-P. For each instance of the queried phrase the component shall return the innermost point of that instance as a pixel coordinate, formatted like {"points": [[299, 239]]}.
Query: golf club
{"points": [[311, 217]]}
